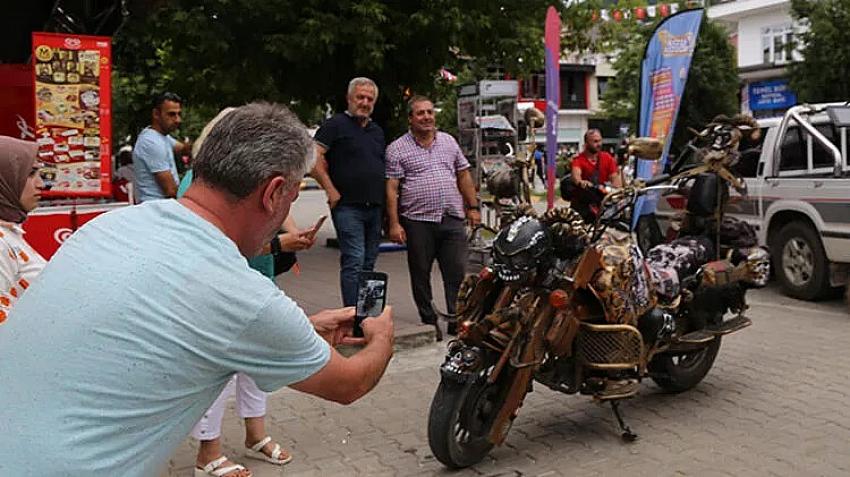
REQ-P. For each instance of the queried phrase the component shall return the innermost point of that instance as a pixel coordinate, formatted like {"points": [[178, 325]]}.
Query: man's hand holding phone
{"points": [[336, 326], [379, 327]]}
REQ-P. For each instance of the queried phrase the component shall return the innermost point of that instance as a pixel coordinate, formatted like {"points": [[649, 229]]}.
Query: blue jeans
{"points": [[358, 229]]}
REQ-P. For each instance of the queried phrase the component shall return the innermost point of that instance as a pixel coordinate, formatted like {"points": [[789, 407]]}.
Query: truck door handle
{"points": [[818, 184]]}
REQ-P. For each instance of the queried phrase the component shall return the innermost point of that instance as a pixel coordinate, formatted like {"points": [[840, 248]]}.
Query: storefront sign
{"points": [[73, 126], [774, 94]]}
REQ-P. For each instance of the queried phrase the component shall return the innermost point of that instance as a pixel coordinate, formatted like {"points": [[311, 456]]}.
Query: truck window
{"points": [[821, 157], [793, 151]]}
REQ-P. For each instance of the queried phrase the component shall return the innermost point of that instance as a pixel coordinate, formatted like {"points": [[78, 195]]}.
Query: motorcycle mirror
{"points": [[647, 148]]}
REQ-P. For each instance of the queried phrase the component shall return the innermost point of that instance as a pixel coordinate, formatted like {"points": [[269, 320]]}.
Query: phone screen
{"points": [[371, 297]]}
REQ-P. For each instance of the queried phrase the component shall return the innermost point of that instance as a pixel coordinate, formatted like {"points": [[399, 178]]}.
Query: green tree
{"points": [[824, 73], [711, 89], [303, 52]]}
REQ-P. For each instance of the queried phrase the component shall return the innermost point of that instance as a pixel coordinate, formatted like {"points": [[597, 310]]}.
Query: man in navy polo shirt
{"points": [[350, 167]]}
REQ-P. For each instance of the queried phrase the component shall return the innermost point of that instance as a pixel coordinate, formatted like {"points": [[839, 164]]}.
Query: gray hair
{"points": [[196, 146], [361, 81], [251, 144]]}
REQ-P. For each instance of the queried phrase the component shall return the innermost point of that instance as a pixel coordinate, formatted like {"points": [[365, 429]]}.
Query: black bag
{"points": [[283, 262], [573, 193]]}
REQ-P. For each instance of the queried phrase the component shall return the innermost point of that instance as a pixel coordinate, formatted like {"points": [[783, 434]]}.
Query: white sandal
{"points": [[215, 468], [255, 452]]}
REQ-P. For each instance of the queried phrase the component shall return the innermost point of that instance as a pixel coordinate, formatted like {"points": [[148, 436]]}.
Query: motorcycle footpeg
{"points": [[707, 334]]}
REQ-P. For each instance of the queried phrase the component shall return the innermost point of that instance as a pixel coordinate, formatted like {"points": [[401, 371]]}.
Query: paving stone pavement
{"points": [[775, 404]]}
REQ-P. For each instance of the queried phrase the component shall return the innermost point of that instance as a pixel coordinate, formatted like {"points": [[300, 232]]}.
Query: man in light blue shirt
{"points": [[153, 153], [145, 313]]}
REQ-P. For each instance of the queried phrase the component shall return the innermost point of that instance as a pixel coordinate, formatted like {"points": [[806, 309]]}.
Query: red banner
{"points": [[73, 120]]}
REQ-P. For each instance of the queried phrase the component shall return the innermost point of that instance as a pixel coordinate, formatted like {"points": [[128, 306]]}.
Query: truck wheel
{"points": [[800, 262]]}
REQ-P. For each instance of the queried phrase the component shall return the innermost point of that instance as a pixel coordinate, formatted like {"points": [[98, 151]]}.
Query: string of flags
{"points": [[647, 12], [447, 75]]}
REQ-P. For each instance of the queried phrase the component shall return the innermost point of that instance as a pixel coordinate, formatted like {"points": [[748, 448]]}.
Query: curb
{"points": [[405, 340]]}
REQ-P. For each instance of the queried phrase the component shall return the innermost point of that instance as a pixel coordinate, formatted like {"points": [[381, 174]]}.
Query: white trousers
{"points": [[250, 402]]}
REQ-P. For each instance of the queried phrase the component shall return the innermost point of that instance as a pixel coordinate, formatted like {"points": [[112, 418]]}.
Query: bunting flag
{"points": [[661, 10], [447, 75]]}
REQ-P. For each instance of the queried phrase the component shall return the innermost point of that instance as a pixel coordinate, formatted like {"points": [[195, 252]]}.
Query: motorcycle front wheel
{"points": [[461, 417], [679, 372]]}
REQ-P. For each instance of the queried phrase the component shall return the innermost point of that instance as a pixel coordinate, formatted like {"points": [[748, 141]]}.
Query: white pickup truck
{"points": [[798, 182]]}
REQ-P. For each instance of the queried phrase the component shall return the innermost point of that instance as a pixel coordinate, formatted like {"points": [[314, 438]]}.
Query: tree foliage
{"points": [[303, 52], [711, 89], [824, 73]]}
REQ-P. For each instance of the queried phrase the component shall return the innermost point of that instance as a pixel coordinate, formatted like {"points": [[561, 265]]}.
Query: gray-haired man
{"points": [[350, 167], [117, 364]]}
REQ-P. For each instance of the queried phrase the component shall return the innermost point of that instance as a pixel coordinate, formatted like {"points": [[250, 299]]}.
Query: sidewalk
{"points": [[316, 287], [290, 414]]}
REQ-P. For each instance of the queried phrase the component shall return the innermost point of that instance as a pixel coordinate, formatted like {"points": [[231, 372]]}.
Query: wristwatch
{"points": [[472, 207], [274, 245]]}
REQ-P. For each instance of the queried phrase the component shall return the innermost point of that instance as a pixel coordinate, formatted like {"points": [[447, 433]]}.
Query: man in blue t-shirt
{"points": [[153, 154], [350, 166], [145, 313]]}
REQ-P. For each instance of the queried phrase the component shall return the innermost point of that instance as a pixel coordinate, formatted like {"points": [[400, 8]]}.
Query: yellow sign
{"points": [[43, 53]]}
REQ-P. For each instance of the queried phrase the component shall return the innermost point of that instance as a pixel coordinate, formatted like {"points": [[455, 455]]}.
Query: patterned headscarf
{"points": [[16, 160]]}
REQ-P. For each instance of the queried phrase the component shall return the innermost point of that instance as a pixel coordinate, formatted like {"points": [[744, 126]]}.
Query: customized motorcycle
{"points": [[578, 308]]}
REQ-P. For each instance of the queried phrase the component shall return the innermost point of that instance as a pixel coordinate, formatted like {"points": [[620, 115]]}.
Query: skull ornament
{"points": [[520, 248], [757, 267]]}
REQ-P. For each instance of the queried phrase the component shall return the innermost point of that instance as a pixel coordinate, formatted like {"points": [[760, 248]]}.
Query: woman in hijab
{"points": [[20, 190]]}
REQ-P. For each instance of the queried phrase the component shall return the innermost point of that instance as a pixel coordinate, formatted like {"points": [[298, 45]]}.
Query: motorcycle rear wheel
{"points": [[679, 372], [461, 418]]}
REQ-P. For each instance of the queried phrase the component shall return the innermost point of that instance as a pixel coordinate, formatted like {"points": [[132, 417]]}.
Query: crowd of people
{"points": [[163, 312]]}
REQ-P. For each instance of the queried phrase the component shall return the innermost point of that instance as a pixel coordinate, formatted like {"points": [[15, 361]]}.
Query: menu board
{"points": [[73, 126]]}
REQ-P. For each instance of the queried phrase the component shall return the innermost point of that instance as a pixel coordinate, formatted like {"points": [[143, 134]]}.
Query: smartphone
{"points": [[313, 231], [371, 298]]}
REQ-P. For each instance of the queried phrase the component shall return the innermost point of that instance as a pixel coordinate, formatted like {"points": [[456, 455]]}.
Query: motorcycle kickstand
{"points": [[627, 434]]}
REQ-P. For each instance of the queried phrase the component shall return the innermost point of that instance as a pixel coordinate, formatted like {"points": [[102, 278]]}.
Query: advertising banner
{"points": [[73, 125], [552, 36], [664, 73]]}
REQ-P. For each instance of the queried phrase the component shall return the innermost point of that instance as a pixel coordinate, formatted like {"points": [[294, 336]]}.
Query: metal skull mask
{"points": [[520, 249], [758, 267]]}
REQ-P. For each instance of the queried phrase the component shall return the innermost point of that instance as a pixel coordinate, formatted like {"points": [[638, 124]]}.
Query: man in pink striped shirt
{"points": [[429, 194]]}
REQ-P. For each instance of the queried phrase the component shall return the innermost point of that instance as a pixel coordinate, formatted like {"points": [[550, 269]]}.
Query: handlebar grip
{"points": [[659, 179]]}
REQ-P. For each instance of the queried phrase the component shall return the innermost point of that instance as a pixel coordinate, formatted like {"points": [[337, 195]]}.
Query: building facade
{"points": [[764, 35], [584, 79]]}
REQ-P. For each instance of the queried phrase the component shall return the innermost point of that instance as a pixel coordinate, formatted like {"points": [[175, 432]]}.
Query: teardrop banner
{"points": [[663, 76], [552, 35]]}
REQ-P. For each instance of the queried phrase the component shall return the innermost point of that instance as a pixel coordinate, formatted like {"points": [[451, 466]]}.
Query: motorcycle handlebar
{"points": [[659, 179]]}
